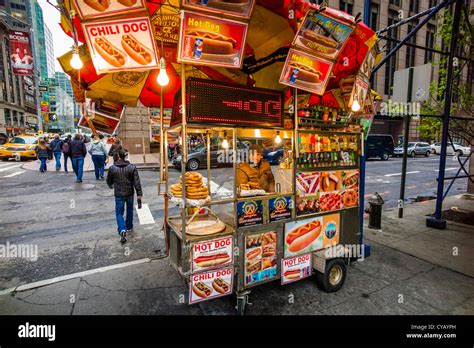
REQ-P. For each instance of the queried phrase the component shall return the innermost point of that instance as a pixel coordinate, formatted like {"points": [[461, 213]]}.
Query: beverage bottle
{"points": [[325, 115], [313, 143], [306, 111]]}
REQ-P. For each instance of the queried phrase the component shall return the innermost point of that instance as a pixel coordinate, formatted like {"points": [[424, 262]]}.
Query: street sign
{"points": [[420, 84]]}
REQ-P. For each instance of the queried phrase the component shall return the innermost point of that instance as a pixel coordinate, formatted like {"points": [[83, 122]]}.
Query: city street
{"points": [[74, 224]]}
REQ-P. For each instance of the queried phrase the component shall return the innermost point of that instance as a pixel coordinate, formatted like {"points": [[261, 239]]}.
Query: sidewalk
{"points": [[452, 248], [152, 160]]}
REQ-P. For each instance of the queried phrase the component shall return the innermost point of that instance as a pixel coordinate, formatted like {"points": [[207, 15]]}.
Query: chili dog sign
{"points": [[295, 268], [121, 45], [207, 40], [212, 284], [212, 253]]}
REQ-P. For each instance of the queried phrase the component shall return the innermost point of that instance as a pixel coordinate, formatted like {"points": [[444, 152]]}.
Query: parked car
{"points": [[414, 148], [459, 150], [380, 145], [22, 145], [274, 156]]}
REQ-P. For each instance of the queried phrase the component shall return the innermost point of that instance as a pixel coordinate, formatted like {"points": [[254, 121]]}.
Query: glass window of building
{"points": [[391, 64], [8, 118], [414, 6], [346, 6], [430, 41], [411, 51], [395, 2], [374, 16]]}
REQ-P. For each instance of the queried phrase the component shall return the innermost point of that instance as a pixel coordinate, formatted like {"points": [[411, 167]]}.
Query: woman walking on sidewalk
{"points": [[44, 153], [98, 152]]}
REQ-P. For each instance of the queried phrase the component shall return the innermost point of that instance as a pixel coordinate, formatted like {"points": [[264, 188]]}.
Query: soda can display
{"points": [[294, 75], [198, 46]]}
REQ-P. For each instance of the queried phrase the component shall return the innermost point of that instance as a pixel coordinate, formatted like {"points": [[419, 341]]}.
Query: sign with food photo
{"points": [[101, 123], [306, 72], [280, 208], [322, 35], [207, 40], [331, 229], [249, 213], [350, 186], [212, 253], [212, 284], [103, 8], [121, 45], [260, 257], [237, 8], [359, 92], [303, 236], [296, 268], [307, 183]]}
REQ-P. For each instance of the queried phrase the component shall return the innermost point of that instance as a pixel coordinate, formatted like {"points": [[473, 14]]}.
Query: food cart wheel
{"points": [[333, 277], [242, 301]]}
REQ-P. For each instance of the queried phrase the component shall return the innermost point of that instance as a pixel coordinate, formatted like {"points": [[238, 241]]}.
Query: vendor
{"points": [[257, 174]]}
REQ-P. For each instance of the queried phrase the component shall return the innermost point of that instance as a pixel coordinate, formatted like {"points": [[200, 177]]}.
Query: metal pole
{"points": [[404, 21], [406, 133], [411, 33], [163, 150], [184, 157], [436, 221]]}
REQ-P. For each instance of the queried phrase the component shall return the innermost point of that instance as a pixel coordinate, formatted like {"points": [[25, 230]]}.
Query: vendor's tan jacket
{"points": [[261, 174]]}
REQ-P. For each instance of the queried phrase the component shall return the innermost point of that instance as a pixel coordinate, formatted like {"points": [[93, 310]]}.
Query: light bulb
{"points": [[76, 62], [163, 78], [355, 106], [225, 144], [257, 133], [278, 138]]}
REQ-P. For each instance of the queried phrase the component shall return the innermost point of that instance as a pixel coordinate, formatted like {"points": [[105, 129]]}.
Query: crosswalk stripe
{"points": [[8, 168], [14, 174], [4, 164]]}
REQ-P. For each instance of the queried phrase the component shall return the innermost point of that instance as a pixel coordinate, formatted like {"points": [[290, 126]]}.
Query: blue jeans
{"points": [[120, 202], [78, 166], [57, 157], [43, 164], [99, 165], [66, 156]]}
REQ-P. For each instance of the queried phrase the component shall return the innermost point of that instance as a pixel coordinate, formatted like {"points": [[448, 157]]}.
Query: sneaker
{"points": [[130, 230], [78, 181], [123, 237]]}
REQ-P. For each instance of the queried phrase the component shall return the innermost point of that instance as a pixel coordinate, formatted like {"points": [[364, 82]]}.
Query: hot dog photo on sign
{"points": [[206, 40], [306, 72], [212, 253], [303, 236], [121, 45], [102, 8], [207, 285], [260, 257]]}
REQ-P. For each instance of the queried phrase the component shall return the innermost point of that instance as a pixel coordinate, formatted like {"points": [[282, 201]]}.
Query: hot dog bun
{"points": [[98, 5], [220, 285], [306, 73], [214, 43], [127, 3], [202, 290], [293, 274], [139, 53], [311, 39], [253, 253], [110, 53], [212, 260], [303, 236]]}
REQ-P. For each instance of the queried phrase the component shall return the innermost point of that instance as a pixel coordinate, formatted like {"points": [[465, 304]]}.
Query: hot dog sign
{"points": [[212, 284], [121, 45], [296, 268], [212, 253], [101, 8]]}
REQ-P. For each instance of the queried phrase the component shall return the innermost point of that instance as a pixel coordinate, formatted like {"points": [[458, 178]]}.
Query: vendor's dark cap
{"points": [[256, 148]]}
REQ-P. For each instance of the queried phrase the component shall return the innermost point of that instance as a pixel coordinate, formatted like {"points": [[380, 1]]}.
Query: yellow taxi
{"points": [[20, 146]]}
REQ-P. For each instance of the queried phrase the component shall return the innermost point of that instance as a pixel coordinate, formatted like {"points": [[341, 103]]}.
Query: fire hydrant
{"points": [[375, 211]]}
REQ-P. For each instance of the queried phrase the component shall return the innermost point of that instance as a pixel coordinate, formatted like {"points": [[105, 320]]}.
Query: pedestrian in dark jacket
{"points": [[44, 153], [77, 151], [115, 148], [65, 150], [55, 146], [124, 179]]}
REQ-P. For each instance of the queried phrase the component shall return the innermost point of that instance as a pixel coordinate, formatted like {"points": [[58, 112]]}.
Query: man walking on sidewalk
{"points": [[65, 149], [124, 179], [77, 151], [55, 146]]}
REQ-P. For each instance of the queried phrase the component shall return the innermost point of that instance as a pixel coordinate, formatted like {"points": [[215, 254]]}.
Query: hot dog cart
{"points": [[227, 240]]}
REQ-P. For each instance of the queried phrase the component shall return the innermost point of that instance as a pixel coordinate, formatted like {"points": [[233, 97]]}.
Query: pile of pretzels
{"points": [[195, 188]]}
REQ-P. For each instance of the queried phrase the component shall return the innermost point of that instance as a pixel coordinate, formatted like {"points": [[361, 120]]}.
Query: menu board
{"points": [[326, 191], [119, 45], [103, 8], [212, 284], [103, 124], [306, 72], [104, 108], [212, 253], [210, 41], [280, 208], [311, 234], [260, 257], [322, 35], [249, 213], [296, 268], [235, 8]]}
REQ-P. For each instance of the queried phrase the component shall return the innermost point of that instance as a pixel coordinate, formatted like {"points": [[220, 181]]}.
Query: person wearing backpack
{"points": [[65, 150], [77, 151], [98, 152], [124, 179], [55, 146]]}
